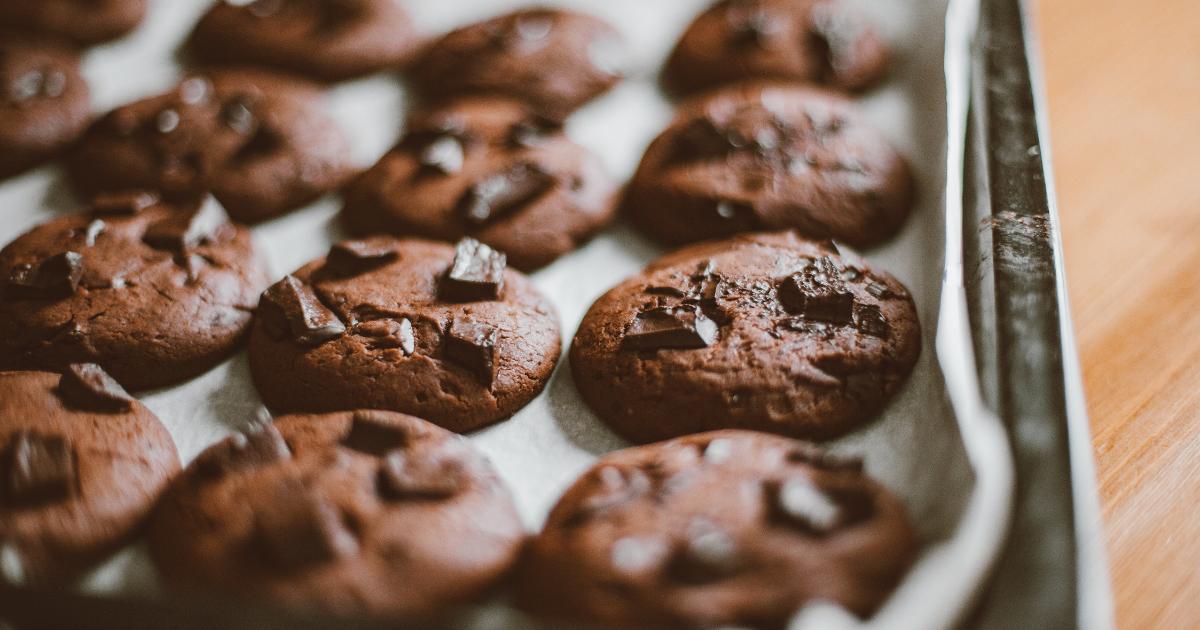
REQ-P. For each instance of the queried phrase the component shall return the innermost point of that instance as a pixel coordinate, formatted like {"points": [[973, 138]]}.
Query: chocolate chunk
{"points": [[473, 346], [476, 274], [351, 258], [236, 115], [123, 203], [290, 307], [260, 446], [299, 528], [754, 27], [53, 277], [799, 503], [530, 133], [389, 333], [185, 230], [706, 555], [444, 155], [88, 386], [870, 320], [880, 290], [430, 477], [739, 211], [39, 469], [751, 130], [683, 327], [818, 293], [617, 487], [370, 436], [667, 291], [808, 326], [818, 457], [502, 193]]}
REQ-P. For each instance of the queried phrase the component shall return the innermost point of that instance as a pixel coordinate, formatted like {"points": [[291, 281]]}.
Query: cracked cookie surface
{"points": [[155, 292], [769, 332], [722, 529], [81, 466], [443, 332], [364, 512]]}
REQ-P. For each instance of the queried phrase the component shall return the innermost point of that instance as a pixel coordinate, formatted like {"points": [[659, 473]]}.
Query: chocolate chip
{"points": [[236, 115], [501, 193], [752, 130], [88, 386], [800, 503], [707, 554], [808, 326], [674, 292], [54, 277], [818, 457], [473, 346], [880, 290], [184, 230], [25, 87], [682, 327], [476, 274], [434, 476], [39, 469], [818, 293], [616, 487], [869, 319], [300, 528], [167, 121], [259, 446], [290, 307], [444, 155], [530, 133], [371, 436], [351, 258], [754, 27], [389, 333], [123, 203], [93, 231]]}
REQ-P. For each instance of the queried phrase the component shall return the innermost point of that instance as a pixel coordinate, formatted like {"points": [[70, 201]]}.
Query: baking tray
{"points": [[992, 353]]}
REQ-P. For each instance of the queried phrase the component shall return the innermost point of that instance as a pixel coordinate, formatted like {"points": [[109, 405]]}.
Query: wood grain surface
{"points": [[1123, 80]]}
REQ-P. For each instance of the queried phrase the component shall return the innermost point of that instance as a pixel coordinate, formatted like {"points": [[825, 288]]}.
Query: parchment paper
{"points": [[952, 470]]}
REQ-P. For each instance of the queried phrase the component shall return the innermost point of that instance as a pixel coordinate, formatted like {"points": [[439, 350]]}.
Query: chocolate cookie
{"points": [[262, 145], [554, 60], [81, 465], [44, 102], [769, 332], [81, 21], [154, 292], [819, 41], [770, 156], [362, 512], [325, 39], [486, 168], [442, 332], [722, 529]]}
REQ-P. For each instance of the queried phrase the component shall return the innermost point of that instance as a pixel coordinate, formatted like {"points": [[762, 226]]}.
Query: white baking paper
{"points": [[952, 470]]}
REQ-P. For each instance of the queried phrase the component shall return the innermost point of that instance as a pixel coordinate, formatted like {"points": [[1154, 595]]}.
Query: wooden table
{"points": [[1124, 87]]}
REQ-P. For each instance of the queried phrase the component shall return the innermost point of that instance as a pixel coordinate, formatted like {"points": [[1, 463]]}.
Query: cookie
{"points": [[488, 168], [261, 144], [768, 157], [363, 512], [81, 466], [552, 59], [44, 102], [722, 529], [81, 21], [769, 332], [814, 41], [443, 332], [155, 292], [328, 40]]}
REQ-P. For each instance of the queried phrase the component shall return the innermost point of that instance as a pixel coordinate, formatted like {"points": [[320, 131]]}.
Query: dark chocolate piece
{"points": [[290, 307], [350, 258], [818, 457], [477, 273], [88, 386], [444, 155], [389, 333], [402, 477], [501, 193], [53, 277], [617, 487], [39, 469], [236, 115], [185, 230], [123, 203], [880, 290], [257, 447], [680, 327], [368, 435], [708, 554], [818, 293], [870, 320], [753, 27], [753, 130], [473, 346], [300, 528], [800, 503]]}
